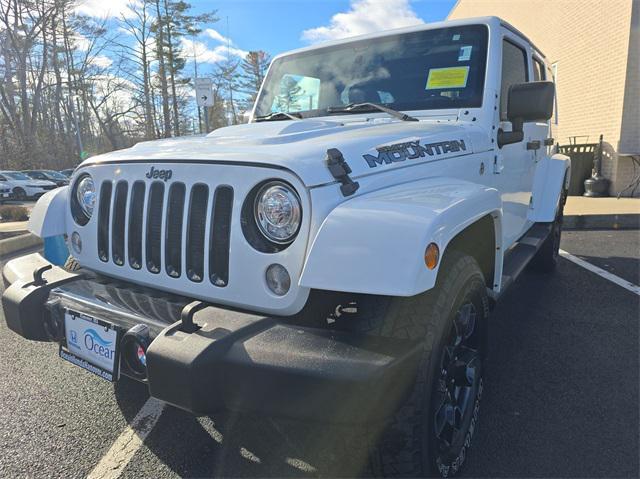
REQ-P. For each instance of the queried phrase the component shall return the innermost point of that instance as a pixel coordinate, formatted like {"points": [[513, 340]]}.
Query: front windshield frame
{"points": [[265, 103], [16, 175]]}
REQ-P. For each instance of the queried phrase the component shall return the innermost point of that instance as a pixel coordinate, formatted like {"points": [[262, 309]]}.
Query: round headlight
{"points": [[278, 212], [86, 195]]}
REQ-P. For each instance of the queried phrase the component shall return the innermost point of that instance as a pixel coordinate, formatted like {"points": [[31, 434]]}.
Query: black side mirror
{"points": [[526, 102]]}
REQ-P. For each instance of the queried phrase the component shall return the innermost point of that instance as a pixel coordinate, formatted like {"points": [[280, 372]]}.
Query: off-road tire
{"points": [[546, 259], [405, 445], [71, 264], [19, 194]]}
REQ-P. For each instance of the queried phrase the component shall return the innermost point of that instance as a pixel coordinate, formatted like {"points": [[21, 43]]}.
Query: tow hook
{"points": [[186, 316]]}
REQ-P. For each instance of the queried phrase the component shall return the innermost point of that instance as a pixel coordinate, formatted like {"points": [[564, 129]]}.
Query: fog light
{"points": [[134, 350], [278, 279], [76, 242]]}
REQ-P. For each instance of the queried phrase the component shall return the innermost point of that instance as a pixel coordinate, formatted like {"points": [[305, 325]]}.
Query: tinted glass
{"points": [[538, 71], [17, 176], [55, 174], [514, 70], [432, 69]]}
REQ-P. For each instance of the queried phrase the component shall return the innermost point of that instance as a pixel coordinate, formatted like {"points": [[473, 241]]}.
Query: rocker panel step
{"points": [[519, 256]]}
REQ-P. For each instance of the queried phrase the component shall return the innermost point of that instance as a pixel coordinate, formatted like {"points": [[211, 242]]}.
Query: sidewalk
{"points": [[601, 213], [581, 205], [13, 226]]}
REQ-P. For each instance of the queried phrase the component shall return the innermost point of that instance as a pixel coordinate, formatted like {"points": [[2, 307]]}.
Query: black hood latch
{"points": [[340, 170]]}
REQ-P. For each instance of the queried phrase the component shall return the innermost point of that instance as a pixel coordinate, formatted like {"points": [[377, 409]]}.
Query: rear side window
{"points": [[538, 70], [514, 70]]}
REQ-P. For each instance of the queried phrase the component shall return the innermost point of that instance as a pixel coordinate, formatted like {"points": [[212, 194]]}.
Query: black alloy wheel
{"points": [[455, 401]]}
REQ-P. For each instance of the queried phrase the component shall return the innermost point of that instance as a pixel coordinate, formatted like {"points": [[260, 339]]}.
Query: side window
{"points": [[514, 70], [538, 70]]}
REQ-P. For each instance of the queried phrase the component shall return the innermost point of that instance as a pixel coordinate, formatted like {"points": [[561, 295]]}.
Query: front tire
{"points": [[431, 431], [438, 420], [19, 194]]}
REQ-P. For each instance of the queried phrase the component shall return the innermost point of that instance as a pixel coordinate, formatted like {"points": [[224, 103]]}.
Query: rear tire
{"points": [[546, 259], [431, 431]]}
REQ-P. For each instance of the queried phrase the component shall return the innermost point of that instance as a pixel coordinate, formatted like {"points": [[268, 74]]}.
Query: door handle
{"points": [[533, 145]]}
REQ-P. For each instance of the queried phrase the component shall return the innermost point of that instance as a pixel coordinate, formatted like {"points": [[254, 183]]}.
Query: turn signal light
{"points": [[431, 256]]}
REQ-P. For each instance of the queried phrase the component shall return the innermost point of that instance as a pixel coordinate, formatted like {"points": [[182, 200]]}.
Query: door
{"points": [[517, 162]]}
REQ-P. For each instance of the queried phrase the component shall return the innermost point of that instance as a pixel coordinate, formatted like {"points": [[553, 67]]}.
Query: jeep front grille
{"points": [[154, 221]]}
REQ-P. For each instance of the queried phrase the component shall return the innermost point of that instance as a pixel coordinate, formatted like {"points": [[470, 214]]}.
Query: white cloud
{"points": [[217, 36], [101, 61], [205, 54], [81, 42], [365, 16], [107, 8]]}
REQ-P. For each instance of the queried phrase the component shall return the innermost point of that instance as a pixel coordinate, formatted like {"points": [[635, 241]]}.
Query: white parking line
{"points": [[121, 452], [601, 272]]}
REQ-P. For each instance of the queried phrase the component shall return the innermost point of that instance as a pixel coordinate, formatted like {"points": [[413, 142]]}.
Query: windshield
{"points": [[54, 174], [14, 175], [425, 70]]}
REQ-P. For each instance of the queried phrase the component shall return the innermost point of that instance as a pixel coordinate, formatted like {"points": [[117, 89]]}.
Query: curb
{"points": [[601, 222], [18, 243]]}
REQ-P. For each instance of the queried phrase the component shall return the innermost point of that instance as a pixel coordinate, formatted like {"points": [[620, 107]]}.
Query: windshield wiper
{"points": [[279, 115], [369, 107]]}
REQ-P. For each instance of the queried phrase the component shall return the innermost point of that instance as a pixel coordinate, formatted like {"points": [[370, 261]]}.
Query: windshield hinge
{"points": [[340, 170]]}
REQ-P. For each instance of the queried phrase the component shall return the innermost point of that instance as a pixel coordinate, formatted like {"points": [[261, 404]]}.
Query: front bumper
{"points": [[233, 360]]}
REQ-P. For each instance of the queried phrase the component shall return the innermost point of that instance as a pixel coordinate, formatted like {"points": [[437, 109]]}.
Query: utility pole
{"points": [[195, 69], [229, 85]]}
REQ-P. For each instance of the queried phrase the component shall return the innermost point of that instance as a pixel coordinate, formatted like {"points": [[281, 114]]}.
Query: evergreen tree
{"points": [[254, 68]]}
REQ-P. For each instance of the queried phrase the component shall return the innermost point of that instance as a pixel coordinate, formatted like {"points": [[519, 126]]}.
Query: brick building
{"points": [[594, 47]]}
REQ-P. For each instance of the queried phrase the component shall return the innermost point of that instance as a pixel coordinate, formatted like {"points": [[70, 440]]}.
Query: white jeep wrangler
{"points": [[335, 259]]}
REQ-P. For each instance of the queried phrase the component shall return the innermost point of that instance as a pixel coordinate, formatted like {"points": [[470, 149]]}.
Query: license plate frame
{"points": [[102, 334]]}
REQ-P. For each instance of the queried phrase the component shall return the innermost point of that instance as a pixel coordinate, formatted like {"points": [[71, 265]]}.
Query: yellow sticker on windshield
{"points": [[452, 77]]}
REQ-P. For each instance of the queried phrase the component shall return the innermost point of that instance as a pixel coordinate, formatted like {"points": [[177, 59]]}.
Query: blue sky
{"points": [[277, 26], [280, 25]]}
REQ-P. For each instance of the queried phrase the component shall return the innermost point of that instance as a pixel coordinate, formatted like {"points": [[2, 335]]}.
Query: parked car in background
{"points": [[48, 175], [5, 192], [68, 172], [23, 186]]}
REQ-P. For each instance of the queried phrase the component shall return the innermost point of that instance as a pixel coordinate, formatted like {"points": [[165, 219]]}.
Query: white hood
{"points": [[301, 146]]}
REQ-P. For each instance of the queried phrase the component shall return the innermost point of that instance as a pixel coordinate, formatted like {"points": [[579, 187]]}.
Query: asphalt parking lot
{"points": [[561, 398]]}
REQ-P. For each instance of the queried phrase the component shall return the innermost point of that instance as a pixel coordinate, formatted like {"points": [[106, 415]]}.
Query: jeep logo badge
{"points": [[164, 175]]}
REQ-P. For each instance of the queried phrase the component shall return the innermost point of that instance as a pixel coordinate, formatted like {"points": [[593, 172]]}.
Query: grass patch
{"points": [[13, 213]]}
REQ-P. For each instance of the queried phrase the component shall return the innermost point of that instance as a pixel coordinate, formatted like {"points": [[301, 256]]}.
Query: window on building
{"points": [[514, 70], [538, 70]]}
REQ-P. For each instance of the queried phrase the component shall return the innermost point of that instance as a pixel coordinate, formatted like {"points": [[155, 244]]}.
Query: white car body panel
{"points": [[48, 216], [375, 243], [552, 175]]}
